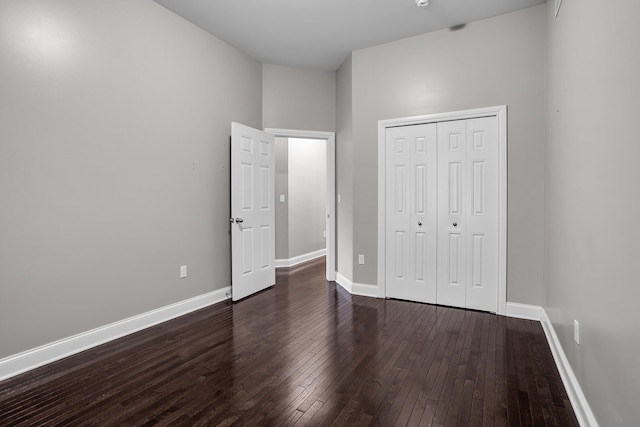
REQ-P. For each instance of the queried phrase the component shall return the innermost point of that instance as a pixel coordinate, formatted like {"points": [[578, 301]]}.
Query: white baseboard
{"points": [[353, 288], [524, 311], [365, 290], [347, 284], [576, 396], [34, 358], [283, 263], [39, 356]]}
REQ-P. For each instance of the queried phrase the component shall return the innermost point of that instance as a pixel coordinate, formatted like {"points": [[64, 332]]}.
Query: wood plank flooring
{"points": [[304, 352]]}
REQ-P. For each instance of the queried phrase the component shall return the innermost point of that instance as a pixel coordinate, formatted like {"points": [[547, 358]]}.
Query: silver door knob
{"points": [[239, 220], [455, 224], [419, 224]]}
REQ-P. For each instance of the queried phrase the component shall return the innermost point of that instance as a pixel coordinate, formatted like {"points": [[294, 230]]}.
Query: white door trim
{"points": [[500, 112], [330, 137]]}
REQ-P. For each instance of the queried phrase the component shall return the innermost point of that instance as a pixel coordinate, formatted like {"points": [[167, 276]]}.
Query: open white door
{"points": [[252, 211]]}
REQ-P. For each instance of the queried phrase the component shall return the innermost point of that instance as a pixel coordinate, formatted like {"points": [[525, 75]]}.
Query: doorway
{"points": [[301, 199], [307, 214]]}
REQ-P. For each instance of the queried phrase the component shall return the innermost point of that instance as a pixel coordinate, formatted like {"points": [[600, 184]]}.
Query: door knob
{"points": [[455, 224], [239, 220], [419, 224]]}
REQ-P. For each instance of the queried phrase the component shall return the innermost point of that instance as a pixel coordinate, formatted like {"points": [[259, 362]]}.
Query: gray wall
{"points": [[307, 195], [297, 98], [302, 99], [593, 202], [344, 169], [496, 61], [114, 162], [282, 188]]}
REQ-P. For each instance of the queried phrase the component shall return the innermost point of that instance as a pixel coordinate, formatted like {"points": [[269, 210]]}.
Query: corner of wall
{"points": [[344, 169]]}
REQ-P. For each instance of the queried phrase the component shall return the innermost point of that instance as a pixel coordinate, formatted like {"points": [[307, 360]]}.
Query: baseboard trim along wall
{"points": [[347, 284], [284, 263], [353, 288], [576, 396], [583, 411], [40, 356], [524, 311]]}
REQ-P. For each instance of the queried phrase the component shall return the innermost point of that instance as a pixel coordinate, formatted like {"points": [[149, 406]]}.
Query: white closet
{"points": [[441, 188]]}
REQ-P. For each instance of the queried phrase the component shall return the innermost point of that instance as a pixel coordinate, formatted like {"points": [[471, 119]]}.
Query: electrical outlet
{"points": [[361, 259], [339, 198], [576, 332], [324, 233], [183, 271]]}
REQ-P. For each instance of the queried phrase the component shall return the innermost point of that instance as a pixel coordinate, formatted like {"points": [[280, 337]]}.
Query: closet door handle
{"points": [[455, 224], [239, 220]]}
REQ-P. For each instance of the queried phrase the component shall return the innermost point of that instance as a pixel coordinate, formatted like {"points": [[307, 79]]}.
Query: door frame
{"points": [[500, 112], [330, 137]]}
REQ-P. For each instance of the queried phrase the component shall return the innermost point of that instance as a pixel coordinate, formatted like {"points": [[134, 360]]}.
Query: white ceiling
{"points": [[320, 34]]}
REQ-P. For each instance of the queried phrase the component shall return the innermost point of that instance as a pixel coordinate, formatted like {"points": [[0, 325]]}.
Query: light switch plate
{"points": [[183, 271], [282, 198]]}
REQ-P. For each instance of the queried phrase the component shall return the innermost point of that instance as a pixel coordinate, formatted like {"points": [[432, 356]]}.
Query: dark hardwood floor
{"points": [[306, 353]]}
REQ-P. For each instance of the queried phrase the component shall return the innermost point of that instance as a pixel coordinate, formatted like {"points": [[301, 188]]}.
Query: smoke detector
{"points": [[422, 3]]}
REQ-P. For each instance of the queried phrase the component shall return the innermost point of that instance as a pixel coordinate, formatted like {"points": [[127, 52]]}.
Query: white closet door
{"points": [[482, 217], [468, 213], [452, 201], [411, 231]]}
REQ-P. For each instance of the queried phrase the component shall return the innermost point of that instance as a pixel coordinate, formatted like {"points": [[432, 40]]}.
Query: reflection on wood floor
{"points": [[304, 352]]}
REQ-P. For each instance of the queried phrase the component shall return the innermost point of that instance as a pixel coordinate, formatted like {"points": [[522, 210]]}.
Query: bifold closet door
{"points": [[467, 266], [411, 213]]}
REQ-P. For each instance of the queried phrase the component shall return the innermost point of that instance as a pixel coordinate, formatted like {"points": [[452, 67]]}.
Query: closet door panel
{"points": [[482, 218], [411, 213], [452, 210]]}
